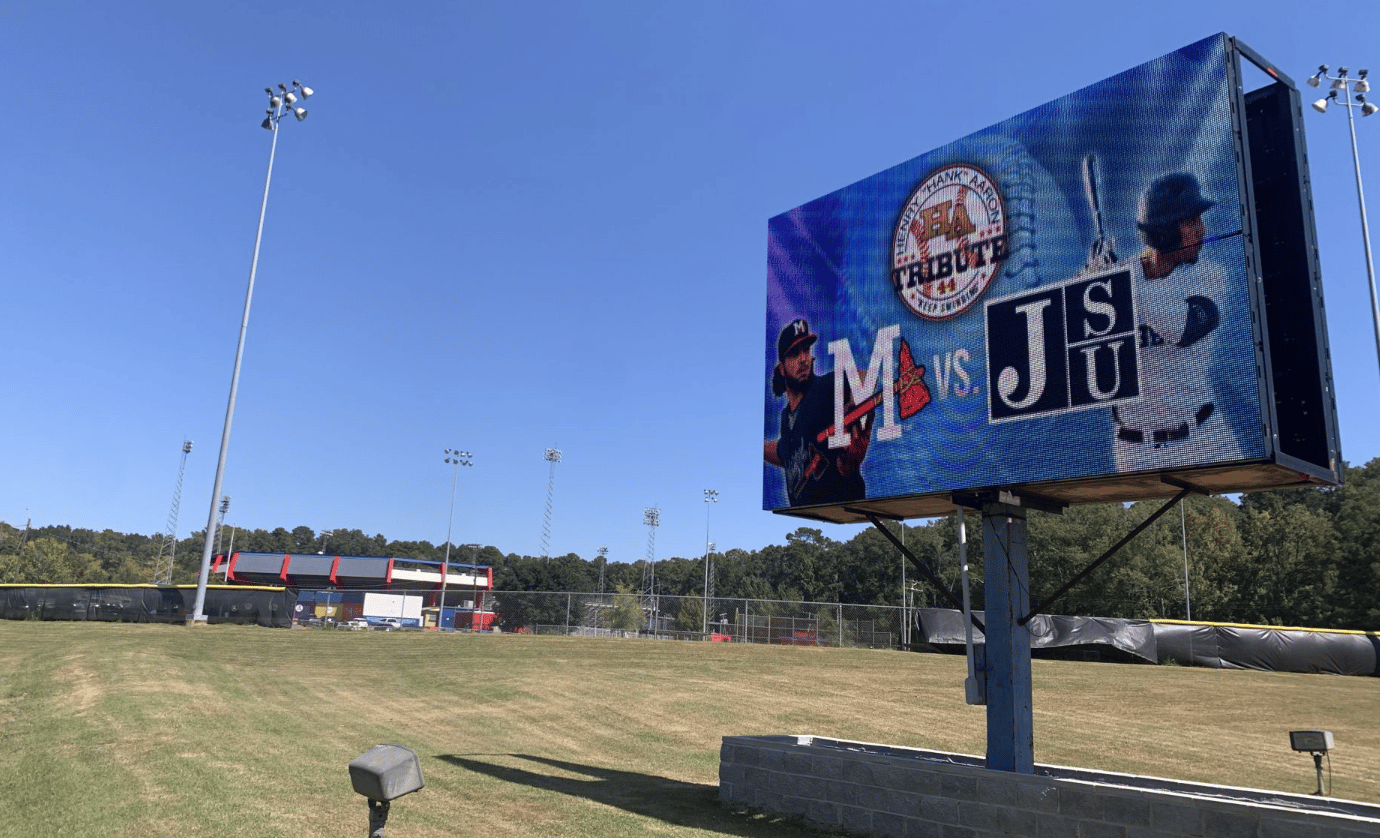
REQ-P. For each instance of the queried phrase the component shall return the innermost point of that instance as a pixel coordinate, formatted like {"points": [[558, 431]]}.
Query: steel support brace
{"points": [[919, 565], [1053, 598]]}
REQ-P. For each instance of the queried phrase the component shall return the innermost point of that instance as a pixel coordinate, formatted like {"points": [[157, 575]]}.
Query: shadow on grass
{"points": [[670, 801]]}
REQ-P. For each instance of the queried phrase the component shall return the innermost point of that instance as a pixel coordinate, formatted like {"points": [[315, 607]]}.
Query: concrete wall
{"points": [[910, 793]]}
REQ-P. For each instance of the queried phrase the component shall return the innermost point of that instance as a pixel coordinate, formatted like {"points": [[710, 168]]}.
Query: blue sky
{"points": [[504, 227]]}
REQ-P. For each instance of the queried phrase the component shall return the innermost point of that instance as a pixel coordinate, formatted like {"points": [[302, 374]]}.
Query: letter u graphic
{"points": [[1090, 361]]}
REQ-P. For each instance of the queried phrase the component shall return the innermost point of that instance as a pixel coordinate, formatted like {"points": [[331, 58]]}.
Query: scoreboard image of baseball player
{"points": [[1066, 301]]}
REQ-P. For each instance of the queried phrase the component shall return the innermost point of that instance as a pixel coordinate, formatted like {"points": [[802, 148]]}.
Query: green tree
{"points": [[626, 611], [1357, 523], [690, 615], [48, 561], [1292, 576]]}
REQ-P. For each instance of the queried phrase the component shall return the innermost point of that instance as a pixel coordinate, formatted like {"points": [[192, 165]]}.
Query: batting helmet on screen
{"points": [[1169, 200]]}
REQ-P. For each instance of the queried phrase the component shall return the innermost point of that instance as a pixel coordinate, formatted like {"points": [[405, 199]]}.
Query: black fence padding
{"points": [[146, 604], [1053, 636], [1269, 649]]}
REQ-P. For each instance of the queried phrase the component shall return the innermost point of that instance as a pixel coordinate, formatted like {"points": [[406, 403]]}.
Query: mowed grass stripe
{"points": [[161, 730]]}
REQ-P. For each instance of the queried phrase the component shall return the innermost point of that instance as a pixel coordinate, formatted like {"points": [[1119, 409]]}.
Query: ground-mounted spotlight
{"points": [[382, 774], [1317, 743]]}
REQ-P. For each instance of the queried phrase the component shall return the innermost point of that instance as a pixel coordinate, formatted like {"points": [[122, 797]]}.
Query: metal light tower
{"points": [[455, 458], [553, 456], [1360, 86], [709, 591], [603, 563], [476, 623], [594, 608], [220, 519], [651, 517], [163, 571], [280, 104], [710, 498]]}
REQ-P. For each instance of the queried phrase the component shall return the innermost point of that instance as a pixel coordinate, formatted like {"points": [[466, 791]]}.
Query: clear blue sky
{"points": [[504, 227]]}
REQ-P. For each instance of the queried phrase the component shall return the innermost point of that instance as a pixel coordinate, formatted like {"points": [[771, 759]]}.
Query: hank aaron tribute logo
{"points": [[950, 241]]}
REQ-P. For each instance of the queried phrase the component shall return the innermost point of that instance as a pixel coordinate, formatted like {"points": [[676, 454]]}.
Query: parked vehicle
{"points": [[390, 623], [357, 624]]}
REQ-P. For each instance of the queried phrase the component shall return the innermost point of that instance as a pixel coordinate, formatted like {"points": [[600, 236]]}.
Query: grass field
{"points": [[138, 730]]}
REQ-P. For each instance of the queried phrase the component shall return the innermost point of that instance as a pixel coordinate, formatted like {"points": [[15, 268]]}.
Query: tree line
{"points": [[1300, 557]]}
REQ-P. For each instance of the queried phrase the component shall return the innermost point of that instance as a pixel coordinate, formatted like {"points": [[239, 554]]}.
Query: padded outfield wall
{"points": [[147, 603], [1213, 645]]}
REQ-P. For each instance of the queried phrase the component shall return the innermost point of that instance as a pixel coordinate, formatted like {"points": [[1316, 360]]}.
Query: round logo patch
{"points": [[950, 241]]}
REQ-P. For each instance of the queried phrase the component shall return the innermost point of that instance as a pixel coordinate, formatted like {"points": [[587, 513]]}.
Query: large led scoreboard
{"points": [[1110, 297]]}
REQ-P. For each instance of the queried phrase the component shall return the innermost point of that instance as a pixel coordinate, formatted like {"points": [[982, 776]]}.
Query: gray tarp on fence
{"points": [[145, 604], [1053, 636], [1270, 649], [1216, 645]]}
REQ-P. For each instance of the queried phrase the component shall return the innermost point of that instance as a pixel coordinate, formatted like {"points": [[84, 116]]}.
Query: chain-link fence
{"points": [[687, 618]]}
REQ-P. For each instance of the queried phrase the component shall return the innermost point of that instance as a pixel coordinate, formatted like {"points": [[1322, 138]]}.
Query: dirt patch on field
{"points": [[79, 687]]}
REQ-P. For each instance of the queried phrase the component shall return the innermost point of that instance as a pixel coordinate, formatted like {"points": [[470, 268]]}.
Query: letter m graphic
{"points": [[881, 373]]}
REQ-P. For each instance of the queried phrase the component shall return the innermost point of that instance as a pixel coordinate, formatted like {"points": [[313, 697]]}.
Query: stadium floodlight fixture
{"points": [[275, 115], [1316, 79], [1360, 85], [382, 774]]}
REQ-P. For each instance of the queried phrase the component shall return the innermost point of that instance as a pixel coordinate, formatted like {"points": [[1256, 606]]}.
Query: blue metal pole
{"points": [[1010, 727]]}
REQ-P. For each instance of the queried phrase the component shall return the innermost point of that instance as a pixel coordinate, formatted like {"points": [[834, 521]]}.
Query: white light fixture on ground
{"points": [[382, 774], [276, 110], [1360, 86], [1318, 743]]}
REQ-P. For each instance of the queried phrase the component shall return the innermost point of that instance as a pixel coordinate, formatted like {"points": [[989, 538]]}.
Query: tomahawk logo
{"points": [[1067, 347]]}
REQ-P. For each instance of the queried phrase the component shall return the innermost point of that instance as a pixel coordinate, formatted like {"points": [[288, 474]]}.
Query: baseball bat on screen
{"points": [[1102, 254]]}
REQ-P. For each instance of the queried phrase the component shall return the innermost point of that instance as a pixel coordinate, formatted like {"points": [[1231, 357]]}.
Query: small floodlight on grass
{"points": [[1316, 742], [382, 774]]}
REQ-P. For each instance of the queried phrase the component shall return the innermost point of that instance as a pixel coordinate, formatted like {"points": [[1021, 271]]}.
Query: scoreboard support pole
{"points": [[1010, 726]]}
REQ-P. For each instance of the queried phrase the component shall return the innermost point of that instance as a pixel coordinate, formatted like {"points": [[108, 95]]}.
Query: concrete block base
{"points": [[910, 793]]}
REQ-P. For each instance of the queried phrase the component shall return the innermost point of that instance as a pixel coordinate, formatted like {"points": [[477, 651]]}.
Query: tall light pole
{"points": [[552, 456], [651, 517], [1183, 532], [710, 497], [163, 572], [280, 104], [1360, 86], [455, 458], [475, 610], [220, 519]]}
